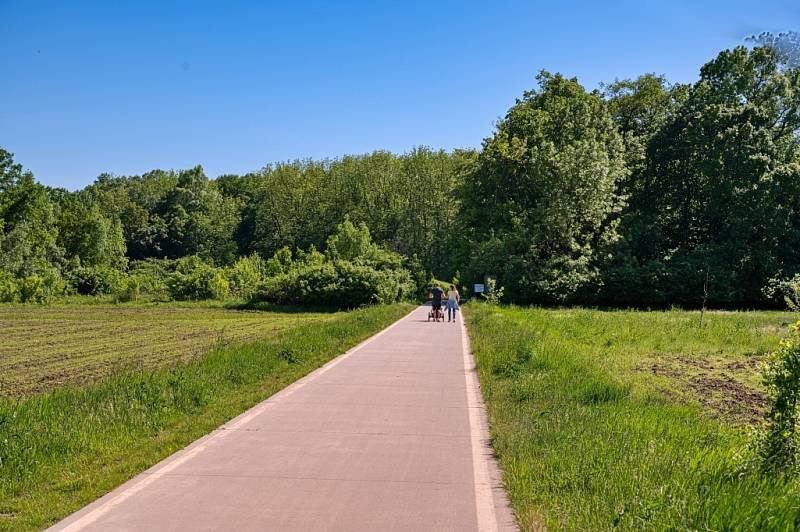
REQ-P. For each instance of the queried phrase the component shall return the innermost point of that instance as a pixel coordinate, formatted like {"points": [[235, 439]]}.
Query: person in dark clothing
{"points": [[436, 301]]}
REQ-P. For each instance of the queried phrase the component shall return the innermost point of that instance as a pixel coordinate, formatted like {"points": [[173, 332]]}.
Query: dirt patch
{"points": [[715, 385], [666, 370], [729, 397], [752, 363], [695, 362]]}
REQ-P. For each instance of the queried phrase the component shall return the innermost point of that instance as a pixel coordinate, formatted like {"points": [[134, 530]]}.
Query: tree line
{"points": [[640, 193]]}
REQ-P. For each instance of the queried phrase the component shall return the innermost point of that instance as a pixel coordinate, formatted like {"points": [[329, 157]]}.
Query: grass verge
{"points": [[61, 450], [589, 440]]}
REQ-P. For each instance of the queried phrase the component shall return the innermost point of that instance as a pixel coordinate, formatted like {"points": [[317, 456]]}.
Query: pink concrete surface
{"points": [[392, 435]]}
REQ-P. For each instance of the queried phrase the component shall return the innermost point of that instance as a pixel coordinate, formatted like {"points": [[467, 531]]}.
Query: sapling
{"points": [[493, 293], [705, 300]]}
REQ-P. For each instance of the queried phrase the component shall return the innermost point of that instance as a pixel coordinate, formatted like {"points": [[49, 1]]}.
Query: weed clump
{"points": [[288, 356]]}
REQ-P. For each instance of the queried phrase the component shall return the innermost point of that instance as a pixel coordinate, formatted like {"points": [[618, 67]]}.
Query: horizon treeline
{"points": [[641, 193]]}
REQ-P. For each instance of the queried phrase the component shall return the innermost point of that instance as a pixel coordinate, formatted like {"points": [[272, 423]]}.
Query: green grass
{"points": [[591, 437], [62, 449], [42, 348]]}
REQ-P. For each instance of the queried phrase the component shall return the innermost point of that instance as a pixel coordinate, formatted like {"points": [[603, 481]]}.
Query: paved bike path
{"points": [[389, 436]]}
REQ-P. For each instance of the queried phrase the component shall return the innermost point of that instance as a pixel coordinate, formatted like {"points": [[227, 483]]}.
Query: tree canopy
{"points": [[638, 193]]}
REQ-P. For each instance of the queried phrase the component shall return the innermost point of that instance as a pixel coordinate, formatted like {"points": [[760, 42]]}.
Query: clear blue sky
{"points": [[125, 87]]}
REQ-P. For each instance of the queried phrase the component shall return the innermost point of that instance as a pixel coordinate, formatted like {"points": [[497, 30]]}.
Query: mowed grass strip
{"points": [[590, 438], [62, 449], [42, 348]]}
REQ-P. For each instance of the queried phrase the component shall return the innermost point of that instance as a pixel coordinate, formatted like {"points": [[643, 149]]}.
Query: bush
{"points": [[9, 291], [784, 291], [493, 294], [31, 289], [246, 275], [195, 279], [352, 272], [781, 445], [98, 280], [339, 284], [133, 289], [149, 277]]}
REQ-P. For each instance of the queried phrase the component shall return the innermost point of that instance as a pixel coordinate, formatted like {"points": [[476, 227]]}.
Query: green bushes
{"points": [[340, 284], [188, 278], [149, 277], [195, 279], [245, 275], [98, 280], [9, 292], [353, 272], [31, 289], [781, 445]]}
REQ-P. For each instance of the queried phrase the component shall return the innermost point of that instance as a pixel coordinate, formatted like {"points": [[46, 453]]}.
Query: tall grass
{"points": [[63, 449], [587, 442]]}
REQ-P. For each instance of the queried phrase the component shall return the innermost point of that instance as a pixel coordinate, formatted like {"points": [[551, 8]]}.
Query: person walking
{"points": [[436, 302], [452, 305]]}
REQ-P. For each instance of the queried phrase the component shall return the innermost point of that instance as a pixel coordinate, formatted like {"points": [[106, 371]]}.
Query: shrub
{"points": [[493, 294], [784, 291], [9, 291], [98, 280], [53, 284], [339, 284], [245, 276], [195, 279], [280, 262], [781, 448], [34, 288], [149, 277], [31, 289], [133, 289]]}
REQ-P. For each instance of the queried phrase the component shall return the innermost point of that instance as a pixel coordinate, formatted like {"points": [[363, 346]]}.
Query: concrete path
{"points": [[389, 436]]}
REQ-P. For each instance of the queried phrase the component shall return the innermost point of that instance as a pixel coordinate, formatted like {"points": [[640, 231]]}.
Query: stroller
{"points": [[436, 314]]}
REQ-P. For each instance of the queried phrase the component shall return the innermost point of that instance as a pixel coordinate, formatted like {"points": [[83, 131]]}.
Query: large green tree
{"points": [[541, 201], [720, 193], [27, 223], [200, 220], [87, 236]]}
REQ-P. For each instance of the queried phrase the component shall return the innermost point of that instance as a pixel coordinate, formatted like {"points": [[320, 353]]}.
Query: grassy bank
{"points": [[632, 420], [63, 449], [42, 348]]}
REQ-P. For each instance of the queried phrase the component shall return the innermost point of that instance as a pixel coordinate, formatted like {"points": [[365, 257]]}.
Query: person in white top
{"points": [[452, 305]]}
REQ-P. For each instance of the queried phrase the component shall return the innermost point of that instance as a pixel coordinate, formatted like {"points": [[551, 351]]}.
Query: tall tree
{"points": [[27, 222], [200, 220], [722, 185], [87, 236], [539, 204]]}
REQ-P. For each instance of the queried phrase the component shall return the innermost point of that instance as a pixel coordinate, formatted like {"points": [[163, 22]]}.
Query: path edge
{"points": [[492, 506]]}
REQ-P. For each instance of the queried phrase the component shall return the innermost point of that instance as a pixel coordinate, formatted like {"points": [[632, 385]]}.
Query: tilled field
{"points": [[46, 347]]}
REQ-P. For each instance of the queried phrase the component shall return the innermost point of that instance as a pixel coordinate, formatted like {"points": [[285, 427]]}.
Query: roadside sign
{"points": [[479, 289]]}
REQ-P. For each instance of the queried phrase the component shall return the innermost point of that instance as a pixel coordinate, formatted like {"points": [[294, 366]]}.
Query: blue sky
{"points": [[124, 87]]}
